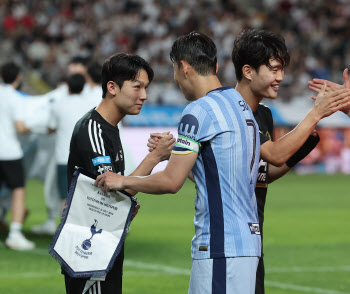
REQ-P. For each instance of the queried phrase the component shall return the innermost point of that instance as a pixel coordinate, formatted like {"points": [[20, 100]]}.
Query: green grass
{"points": [[306, 242]]}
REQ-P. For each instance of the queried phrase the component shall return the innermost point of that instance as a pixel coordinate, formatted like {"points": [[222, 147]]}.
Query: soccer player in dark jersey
{"points": [[95, 145], [259, 58]]}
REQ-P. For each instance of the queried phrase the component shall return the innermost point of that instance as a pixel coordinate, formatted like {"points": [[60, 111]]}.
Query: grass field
{"points": [[306, 242]]}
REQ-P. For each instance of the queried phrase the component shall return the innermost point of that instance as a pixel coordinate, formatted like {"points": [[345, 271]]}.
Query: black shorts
{"points": [[260, 277], [12, 173], [112, 284]]}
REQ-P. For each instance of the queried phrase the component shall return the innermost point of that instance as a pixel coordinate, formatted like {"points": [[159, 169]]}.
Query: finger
{"points": [[157, 135], [314, 97], [346, 78], [166, 133], [151, 145], [97, 181], [152, 140], [315, 86], [341, 106], [341, 101], [322, 91], [315, 89]]}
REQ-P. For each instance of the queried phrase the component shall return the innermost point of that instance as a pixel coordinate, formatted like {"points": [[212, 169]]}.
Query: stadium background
{"points": [[306, 243]]}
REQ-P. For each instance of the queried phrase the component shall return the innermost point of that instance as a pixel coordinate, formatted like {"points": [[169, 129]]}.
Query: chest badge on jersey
{"points": [[254, 228]]}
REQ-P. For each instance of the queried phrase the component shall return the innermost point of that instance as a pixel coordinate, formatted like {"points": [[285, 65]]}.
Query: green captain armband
{"points": [[187, 143]]}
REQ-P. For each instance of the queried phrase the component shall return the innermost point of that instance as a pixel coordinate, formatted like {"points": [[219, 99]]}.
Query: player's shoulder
{"points": [[84, 125], [263, 108]]}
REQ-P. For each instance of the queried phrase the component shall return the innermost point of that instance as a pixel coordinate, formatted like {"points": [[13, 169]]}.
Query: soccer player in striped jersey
{"points": [[218, 141], [259, 58], [95, 146]]}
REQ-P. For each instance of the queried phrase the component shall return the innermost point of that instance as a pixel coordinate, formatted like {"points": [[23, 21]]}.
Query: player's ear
{"points": [[185, 67], [217, 68], [247, 72], [112, 88]]}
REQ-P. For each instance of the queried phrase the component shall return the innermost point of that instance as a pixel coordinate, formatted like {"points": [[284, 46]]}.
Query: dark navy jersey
{"points": [[95, 146], [264, 119]]}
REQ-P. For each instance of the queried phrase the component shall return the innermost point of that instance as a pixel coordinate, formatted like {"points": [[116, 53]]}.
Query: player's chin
{"points": [[135, 111], [271, 94]]}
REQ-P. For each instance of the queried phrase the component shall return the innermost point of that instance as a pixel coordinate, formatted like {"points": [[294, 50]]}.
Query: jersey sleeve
{"points": [[196, 126]]}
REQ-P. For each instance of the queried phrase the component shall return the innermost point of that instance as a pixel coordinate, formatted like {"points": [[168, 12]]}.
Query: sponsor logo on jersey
{"points": [[188, 126], [100, 160], [254, 228], [105, 168], [187, 143], [243, 104]]}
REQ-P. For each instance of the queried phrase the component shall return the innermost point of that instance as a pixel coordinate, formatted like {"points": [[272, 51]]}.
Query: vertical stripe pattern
{"points": [[95, 136], [214, 199], [219, 276]]}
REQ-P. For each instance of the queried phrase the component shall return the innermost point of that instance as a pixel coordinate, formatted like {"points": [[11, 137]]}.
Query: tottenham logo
{"points": [[87, 243]]}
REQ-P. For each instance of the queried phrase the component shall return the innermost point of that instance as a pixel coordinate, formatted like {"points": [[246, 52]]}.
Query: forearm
{"points": [[278, 152], [144, 169], [277, 172], [158, 183]]}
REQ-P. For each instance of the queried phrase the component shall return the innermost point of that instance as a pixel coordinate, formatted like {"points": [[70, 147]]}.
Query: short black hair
{"points": [[75, 83], [198, 50], [94, 71], [9, 72], [256, 47], [123, 67]]}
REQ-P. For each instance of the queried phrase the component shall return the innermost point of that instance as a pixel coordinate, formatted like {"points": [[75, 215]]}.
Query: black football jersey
{"points": [[95, 146], [263, 117]]}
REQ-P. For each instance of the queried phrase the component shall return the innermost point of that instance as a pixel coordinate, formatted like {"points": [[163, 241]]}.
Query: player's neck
{"points": [[205, 84], [248, 95], [109, 112]]}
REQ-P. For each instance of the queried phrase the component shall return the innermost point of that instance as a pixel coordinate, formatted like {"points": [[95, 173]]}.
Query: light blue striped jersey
{"points": [[226, 218]]}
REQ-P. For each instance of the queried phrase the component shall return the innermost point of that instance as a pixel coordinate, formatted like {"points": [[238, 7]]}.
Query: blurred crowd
{"points": [[43, 35]]}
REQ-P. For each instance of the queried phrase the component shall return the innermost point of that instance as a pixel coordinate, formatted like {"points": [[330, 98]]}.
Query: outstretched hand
{"points": [[327, 103], [317, 84]]}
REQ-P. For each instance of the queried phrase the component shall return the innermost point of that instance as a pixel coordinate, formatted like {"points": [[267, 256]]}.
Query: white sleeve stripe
{"points": [[99, 287], [90, 291], [96, 138], [94, 288], [102, 144], [90, 136]]}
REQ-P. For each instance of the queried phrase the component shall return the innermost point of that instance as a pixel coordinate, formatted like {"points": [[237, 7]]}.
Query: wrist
{"points": [[153, 158], [315, 116]]}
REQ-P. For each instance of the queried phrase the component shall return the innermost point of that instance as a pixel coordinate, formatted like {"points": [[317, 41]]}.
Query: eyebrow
{"points": [[141, 82]]}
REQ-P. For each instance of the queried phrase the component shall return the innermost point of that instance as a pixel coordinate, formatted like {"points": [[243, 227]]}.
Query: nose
{"points": [[143, 94], [280, 75]]}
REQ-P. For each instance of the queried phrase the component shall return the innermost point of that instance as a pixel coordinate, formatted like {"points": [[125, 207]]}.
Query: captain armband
{"points": [[185, 145]]}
